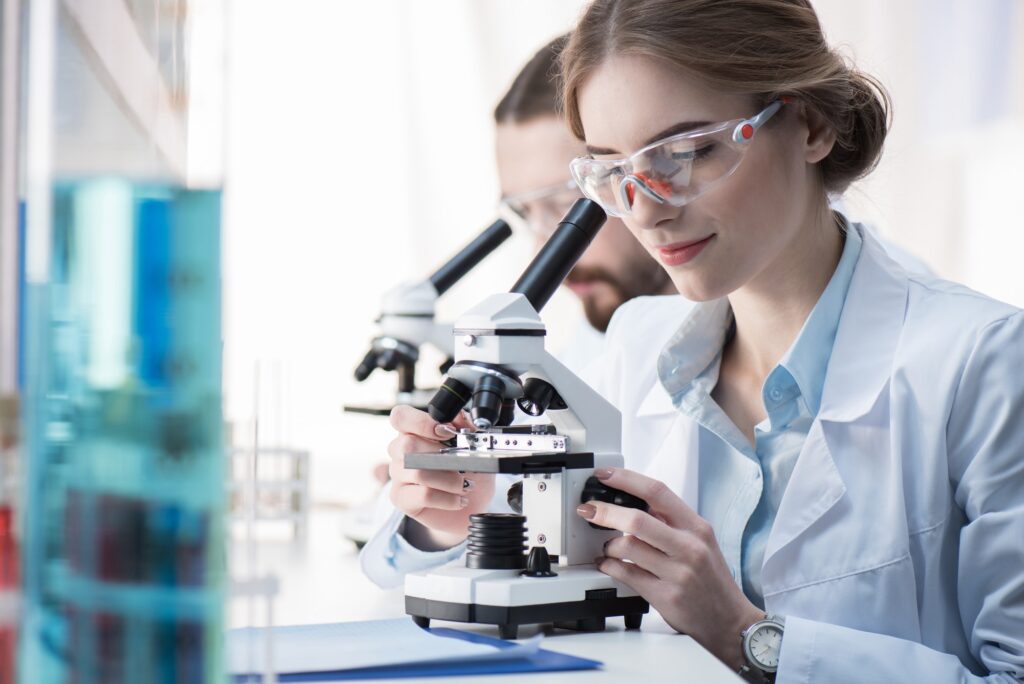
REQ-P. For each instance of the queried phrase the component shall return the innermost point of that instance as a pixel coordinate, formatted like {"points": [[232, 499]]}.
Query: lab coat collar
{"points": [[858, 375], [869, 330]]}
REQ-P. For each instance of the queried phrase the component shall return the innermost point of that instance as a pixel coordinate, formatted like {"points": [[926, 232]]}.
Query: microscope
{"points": [[534, 566], [406, 322]]}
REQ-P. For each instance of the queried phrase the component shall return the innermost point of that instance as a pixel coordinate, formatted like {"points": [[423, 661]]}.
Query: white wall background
{"points": [[359, 154]]}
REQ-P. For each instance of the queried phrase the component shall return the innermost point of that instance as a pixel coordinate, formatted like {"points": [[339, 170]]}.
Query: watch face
{"points": [[765, 645]]}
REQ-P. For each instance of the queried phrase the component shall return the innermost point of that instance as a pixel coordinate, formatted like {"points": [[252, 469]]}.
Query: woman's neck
{"points": [[772, 308]]}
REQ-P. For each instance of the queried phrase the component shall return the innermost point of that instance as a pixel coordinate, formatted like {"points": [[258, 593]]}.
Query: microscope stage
{"points": [[501, 462]]}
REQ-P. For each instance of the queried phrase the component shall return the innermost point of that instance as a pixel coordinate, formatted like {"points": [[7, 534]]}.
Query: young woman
{"points": [[834, 456]]}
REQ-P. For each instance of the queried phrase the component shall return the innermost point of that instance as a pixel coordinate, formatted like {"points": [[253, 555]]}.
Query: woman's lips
{"points": [[682, 252]]}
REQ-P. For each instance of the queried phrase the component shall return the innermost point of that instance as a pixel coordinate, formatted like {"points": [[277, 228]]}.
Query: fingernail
{"points": [[445, 431], [467, 485], [586, 511], [603, 473], [463, 502]]}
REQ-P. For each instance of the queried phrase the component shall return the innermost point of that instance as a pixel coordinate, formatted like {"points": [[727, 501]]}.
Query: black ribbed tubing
{"points": [[496, 541]]}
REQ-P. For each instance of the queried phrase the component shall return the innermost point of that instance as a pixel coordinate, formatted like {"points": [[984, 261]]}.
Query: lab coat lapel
{"points": [[858, 373], [814, 487], [868, 333]]}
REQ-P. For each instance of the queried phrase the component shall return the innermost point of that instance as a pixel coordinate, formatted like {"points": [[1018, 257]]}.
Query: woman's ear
{"points": [[821, 137]]}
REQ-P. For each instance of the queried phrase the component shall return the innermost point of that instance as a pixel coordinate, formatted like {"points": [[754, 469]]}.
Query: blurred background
{"points": [[206, 200], [360, 153]]}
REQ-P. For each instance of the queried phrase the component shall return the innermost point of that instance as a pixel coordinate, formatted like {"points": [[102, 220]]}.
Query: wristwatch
{"points": [[762, 644]]}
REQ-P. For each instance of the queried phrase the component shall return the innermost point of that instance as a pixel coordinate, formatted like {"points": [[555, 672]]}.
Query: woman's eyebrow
{"points": [[674, 129]]}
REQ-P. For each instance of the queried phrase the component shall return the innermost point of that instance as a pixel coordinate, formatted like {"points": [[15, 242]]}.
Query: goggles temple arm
{"points": [[744, 131]]}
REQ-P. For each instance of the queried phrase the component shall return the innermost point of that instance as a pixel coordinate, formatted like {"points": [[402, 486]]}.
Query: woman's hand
{"points": [[438, 500], [676, 564]]}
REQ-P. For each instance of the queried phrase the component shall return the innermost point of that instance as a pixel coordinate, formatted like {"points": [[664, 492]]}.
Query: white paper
{"points": [[341, 646]]}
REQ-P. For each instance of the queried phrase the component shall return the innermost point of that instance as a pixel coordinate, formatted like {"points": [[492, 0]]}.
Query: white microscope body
{"points": [[500, 354]]}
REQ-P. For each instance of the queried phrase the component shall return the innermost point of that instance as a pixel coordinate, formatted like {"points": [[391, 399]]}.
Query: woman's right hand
{"points": [[436, 499]]}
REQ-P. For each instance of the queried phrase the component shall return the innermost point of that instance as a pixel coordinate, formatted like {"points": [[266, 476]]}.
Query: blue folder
{"points": [[539, 661]]}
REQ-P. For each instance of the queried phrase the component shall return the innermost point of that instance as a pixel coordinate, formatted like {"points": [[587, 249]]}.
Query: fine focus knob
{"points": [[595, 490], [538, 563]]}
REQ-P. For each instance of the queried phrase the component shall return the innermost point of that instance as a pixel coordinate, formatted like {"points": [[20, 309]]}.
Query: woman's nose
{"points": [[647, 212]]}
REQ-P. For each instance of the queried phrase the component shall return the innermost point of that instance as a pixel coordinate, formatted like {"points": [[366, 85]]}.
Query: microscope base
{"points": [[582, 616], [580, 598]]}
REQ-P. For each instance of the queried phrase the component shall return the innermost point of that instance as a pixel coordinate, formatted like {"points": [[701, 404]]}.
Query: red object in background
{"points": [[8, 583]]}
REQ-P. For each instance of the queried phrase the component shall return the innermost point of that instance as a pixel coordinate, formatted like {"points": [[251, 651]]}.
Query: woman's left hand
{"points": [[676, 565]]}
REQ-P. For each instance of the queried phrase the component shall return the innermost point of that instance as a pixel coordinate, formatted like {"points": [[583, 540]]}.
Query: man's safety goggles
{"points": [[540, 210], [675, 170]]}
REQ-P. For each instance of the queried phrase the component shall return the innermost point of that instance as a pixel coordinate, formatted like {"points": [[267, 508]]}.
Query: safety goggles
{"points": [[540, 210], [675, 170]]}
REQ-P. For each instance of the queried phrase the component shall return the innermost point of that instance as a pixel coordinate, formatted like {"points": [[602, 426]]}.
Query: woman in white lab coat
{"points": [[825, 441]]}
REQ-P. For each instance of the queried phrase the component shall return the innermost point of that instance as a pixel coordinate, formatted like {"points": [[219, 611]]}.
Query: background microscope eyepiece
{"points": [[488, 398]]}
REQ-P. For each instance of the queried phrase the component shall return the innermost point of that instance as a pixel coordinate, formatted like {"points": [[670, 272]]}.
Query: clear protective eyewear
{"points": [[540, 210], [675, 170]]}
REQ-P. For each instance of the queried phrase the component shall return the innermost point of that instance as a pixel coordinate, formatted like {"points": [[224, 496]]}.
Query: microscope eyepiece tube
{"points": [[470, 255], [560, 253]]}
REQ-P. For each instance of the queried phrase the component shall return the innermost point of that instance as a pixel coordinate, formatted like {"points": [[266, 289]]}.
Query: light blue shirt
{"points": [[741, 485]]}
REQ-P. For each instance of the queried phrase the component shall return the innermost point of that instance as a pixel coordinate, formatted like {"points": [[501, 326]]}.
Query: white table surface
{"points": [[320, 581]]}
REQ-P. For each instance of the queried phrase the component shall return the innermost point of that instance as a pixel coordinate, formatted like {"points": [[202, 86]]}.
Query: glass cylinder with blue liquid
{"points": [[124, 542]]}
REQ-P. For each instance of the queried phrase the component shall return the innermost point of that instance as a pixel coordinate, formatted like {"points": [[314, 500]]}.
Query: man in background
{"points": [[533, 151]]}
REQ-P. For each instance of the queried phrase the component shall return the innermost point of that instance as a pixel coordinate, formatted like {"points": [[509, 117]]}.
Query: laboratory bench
{"points": [[319, 580]]}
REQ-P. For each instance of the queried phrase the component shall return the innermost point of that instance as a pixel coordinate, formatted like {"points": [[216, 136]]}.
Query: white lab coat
{"points": [[897, 552]]}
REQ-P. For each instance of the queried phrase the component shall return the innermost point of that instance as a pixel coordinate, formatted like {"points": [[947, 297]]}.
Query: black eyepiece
{"points": [[470, 255], [560, 253]]}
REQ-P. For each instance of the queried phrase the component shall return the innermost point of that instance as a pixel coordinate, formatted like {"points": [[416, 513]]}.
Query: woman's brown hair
{"points": [[761, 48]]}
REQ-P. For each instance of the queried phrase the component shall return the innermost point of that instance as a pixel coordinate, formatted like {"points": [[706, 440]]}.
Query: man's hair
{"points": [[535, 91]]}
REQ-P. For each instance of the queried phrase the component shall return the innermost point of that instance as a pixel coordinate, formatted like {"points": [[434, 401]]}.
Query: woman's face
{"points": [[742, 230], [615, 268]]}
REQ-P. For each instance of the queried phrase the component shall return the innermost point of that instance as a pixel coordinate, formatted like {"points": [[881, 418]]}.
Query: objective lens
{"points": [[487, 402], [449, 399]]}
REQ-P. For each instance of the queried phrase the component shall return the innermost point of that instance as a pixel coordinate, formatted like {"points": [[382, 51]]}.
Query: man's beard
{"points": [[649, 279]]}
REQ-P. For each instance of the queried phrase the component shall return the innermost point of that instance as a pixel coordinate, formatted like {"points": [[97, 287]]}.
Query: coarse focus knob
{"points": [[595, 490]]}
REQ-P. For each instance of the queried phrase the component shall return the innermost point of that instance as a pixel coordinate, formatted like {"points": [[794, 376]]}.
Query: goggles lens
{"points": [[539, 211], [675, 171]]}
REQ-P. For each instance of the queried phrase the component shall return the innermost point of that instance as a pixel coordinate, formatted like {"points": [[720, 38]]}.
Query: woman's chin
{"points": [[697, 289]]}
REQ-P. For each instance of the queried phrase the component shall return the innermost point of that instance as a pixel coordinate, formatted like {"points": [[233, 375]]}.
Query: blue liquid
{"points": [[124, 560]]}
